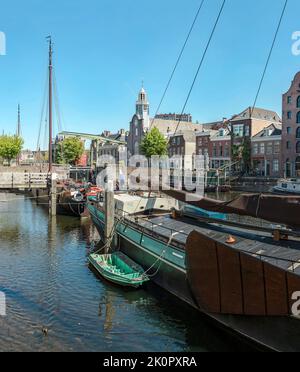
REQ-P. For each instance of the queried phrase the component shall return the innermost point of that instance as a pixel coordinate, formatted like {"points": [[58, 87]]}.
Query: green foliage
{"points": [[154, 143], [10, 147], [69, 151], [242, 153]]}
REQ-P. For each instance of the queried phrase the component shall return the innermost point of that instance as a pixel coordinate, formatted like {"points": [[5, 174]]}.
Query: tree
{"points": [[69, 151], [10, 147], [154, 143]]}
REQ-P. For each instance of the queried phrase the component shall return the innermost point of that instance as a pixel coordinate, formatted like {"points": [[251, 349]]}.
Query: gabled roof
{"points": [[188, 135], [258, 113], [168, 127], [275, 129]]}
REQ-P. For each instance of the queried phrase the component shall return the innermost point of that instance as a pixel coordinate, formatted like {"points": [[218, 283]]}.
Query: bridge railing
{"points": [[11, 180]]}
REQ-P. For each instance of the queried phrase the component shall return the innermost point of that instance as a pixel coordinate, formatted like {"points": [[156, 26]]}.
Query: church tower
{"points": [[142, 108]]}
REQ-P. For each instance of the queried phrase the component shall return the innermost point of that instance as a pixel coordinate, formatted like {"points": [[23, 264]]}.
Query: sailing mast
{"points": [[50, 103], [19, 122]]}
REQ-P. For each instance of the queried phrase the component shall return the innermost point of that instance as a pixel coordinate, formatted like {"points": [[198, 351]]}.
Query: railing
{"points": [[10, 180]]}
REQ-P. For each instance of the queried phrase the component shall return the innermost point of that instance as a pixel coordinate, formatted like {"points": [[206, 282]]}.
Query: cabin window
{"points": [[284, 186]]}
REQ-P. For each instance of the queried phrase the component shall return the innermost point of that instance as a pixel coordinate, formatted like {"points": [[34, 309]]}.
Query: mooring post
{"points": [[53, 195], [109, 201]]}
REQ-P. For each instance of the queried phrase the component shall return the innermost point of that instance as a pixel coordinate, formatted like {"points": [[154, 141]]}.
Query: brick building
{"points": [[291, 130], [176, 117], [266, 152], [245, 126], [220, 149], [183, 144]]}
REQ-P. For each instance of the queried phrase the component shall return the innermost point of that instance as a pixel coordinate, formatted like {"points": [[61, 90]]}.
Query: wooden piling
{"points": [[109, 216], [53, 195]]}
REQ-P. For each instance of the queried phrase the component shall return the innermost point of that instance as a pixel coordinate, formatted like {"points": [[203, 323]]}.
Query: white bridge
{"points": [[18, 180]]}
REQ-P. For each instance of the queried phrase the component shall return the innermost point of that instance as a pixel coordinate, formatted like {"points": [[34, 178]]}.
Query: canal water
{"points": [[56, 303]]}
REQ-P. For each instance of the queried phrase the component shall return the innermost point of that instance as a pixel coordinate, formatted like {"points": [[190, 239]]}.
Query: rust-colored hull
{"points": [[225, 280]]}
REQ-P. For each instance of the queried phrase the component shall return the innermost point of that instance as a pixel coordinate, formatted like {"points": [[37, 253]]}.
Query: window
{"points": [[255, 149], [247, 131], [262, 148], [277, 148], [214, 150], [276, 165], [227, 154], [289, 100], [298, 133], [221, 150], [298, 118], [238, 130], [289, 115], [298, 102], [289, 130], [288, 145], [270, 148], [298, 147]]}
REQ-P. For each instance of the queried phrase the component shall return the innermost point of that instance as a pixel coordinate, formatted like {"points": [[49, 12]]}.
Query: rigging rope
{"points": [[269, 57], [178, 60], [200, 64], [42, 113]]}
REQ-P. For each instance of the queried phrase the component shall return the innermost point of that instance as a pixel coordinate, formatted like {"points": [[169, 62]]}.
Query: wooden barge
{"points": [[247, 280]]}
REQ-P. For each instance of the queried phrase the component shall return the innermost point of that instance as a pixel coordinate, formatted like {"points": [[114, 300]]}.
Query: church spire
{"points": [[142, 106]]}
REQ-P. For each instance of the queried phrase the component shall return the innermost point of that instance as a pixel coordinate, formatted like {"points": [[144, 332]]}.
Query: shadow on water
{"points": [[47, 282]]}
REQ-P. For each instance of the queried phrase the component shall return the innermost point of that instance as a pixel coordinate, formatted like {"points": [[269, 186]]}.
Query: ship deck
{"points": [[284, 254]]}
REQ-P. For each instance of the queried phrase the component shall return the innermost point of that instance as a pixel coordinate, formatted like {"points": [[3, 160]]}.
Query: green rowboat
{"points": [[119, 269]]}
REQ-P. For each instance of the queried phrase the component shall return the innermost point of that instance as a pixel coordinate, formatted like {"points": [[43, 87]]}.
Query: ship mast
{"points": [[19, 122], [50, 103]]}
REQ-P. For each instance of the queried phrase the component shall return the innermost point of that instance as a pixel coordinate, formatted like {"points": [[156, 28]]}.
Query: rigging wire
{"points": [[56, 101], [269, 57], [178, 60], [42, 113], [200, 64]]}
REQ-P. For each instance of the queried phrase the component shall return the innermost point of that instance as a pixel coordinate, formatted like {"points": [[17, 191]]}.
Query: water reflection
{"points": [[48, 284]]}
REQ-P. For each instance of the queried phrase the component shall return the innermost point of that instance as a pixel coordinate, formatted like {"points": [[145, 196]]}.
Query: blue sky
{"points": [[104, 49]]}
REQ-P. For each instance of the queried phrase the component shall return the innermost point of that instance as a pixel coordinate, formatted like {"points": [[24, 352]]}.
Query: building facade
{"points": [[291, 130], [183, 144], [176, 117], [110, 149], [244, 127], [141, 123], [266, 152], [220, 149]]}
